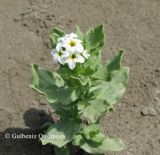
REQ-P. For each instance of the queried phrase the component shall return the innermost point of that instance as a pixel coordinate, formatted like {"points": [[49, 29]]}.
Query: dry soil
{"points": [[134, 25]]}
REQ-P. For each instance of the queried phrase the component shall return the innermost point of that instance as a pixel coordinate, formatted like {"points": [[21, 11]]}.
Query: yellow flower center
{"points": [[72, 43], [59, 53], [73, 56]]}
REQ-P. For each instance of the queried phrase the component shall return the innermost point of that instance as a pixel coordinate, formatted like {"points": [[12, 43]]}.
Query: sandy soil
{"points": [[25, 26]]}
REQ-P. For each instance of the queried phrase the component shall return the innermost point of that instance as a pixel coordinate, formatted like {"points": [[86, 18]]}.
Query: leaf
{"points": [[65, 72], [94, 61], [91, 131], [68, 111], [84, 69], [94, 38], [108, 144], [98, 138], [94, 142], [61, 151], [56, 33], [113, 144], [115, 64], [52, 86], [78, 140], [112, 71], [75, 80], [89, 109], [79, 33], [79, 81], [94, 41], [54, 38], [120, 76], [107, 91], [101, 73], [45, 78], [59, 32], [90, 66], [61, 133]]}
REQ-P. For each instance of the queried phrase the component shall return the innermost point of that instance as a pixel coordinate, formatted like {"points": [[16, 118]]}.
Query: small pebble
{"points": [[16, 19], [148, 111], [152, 111], [71, 20], [144, 111]]}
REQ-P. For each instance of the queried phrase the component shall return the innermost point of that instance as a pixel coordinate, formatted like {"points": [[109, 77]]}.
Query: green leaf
{"points": [[56, 33], [89, 109], [94, 61], [65, 72], [101, 73], [91, 65], [108, 144], [79, 33], [75, 80], [79, 81], [115, 64], [94, 142], [61, 133], [45, 78], [98, 138], [94, 41], [120, 76], [61, 151], [84, 69], [112, 71], [94, 38], [107, 91], [78, 140], [54, 38], [91, 131], [113, 144], [59, 32], [67, 111], [52, 86]]}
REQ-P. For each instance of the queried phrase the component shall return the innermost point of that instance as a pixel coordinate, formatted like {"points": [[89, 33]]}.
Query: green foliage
{"points": [[80, 34], [90, 111], [89, 91], [56, 33], [94, 39], [94, 142], [63, 131], [52, 86]]}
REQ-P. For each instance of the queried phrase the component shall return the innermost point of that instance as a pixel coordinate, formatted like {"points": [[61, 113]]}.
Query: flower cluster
{"points": [[70, 50]]}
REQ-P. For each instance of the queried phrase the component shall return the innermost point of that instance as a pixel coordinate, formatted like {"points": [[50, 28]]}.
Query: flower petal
{"points": [[79, 47], [61, 60], [66, 54], [53, 52], [71, 64], [80, 59], [55, 56], [59, 46], [85, 54]]}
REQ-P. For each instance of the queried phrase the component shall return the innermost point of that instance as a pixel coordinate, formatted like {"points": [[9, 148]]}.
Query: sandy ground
{"points": [[134, 25]]}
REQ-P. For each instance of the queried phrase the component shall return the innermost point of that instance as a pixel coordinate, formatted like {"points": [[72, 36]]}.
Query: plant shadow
{"points": [[14, 141], [19, 141]]}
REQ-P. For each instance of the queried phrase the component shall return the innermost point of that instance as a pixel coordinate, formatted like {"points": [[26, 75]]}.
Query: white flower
{"points": [[58, 55], [72, 58], [72, 44], [70, 50], [68, 36], [71, 35], [85, 54]]}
